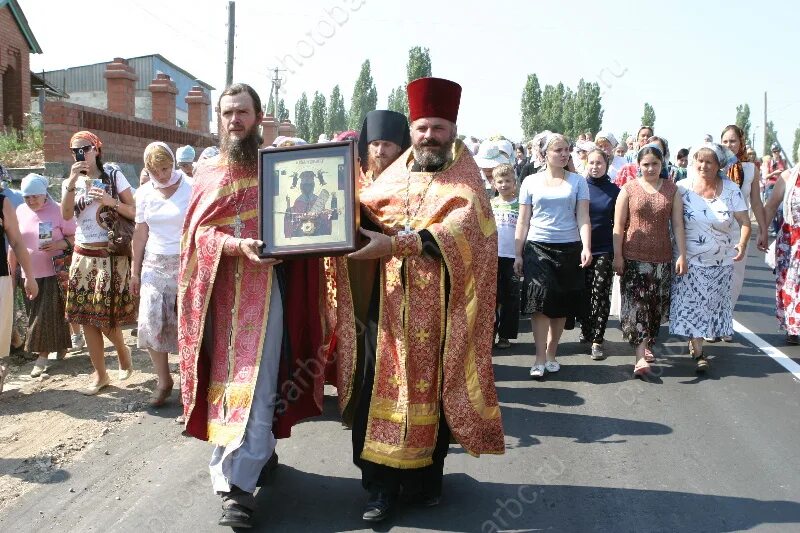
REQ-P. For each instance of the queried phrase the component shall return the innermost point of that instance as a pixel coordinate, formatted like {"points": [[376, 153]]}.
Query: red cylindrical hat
{"points": [[433, 97]]}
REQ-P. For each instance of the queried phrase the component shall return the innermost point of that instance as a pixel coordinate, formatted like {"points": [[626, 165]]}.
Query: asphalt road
{"points": [[588, 449]]}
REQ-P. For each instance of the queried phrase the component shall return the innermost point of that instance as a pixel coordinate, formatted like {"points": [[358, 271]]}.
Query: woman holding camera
{"points": [[98, 297]]}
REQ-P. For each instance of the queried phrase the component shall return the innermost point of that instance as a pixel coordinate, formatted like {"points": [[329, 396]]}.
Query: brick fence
{"points": [[124, 138]]}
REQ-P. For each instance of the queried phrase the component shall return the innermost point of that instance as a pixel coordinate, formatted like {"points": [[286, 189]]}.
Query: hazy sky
{"points": [[693, 61]]}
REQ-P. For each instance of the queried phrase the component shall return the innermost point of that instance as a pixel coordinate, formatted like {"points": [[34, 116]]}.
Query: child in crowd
{"points": [[506, 211]]}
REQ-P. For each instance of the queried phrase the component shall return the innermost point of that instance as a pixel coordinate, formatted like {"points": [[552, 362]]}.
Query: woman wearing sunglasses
{"points": [[98, 297]]}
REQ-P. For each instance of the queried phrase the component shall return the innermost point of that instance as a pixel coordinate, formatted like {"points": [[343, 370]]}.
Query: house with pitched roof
{"points": [[17, 42]]}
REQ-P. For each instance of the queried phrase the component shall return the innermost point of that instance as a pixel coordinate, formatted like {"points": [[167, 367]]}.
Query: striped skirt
{"points": [[98, 293], [48, 330]]}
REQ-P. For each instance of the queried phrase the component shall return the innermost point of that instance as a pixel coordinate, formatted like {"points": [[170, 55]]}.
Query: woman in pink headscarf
{"points": [[98, 296]]}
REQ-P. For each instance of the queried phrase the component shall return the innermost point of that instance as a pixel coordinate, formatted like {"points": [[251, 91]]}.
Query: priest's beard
{"points": [[245, 150], [378, 164], [430, 153]]}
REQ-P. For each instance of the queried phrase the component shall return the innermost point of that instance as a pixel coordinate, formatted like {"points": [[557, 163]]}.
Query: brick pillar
{"points": [[269, 129], [198, 102], [287, 129], [163, 91], [121, 87]]}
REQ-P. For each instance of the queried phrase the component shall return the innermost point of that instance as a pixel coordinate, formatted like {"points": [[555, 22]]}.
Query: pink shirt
{"points": [[53, 227]]}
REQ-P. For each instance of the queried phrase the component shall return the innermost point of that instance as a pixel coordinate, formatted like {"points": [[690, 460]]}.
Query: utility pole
{"points": [[276, 87], [231, 34], [766, 138]]}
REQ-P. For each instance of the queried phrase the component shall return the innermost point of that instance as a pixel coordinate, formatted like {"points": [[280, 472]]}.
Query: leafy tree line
{"points": [[560, 108], [318, 115]]}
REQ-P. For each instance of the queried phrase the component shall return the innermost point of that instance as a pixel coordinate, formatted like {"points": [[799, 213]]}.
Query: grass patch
{"points": [[23, 147]]}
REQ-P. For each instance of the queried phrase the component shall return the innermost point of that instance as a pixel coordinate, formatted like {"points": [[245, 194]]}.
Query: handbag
{"points": [[61, 265], [120, 229]]}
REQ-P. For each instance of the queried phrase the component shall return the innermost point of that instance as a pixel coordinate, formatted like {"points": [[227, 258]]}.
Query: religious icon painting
{"points": [[308, 200]]}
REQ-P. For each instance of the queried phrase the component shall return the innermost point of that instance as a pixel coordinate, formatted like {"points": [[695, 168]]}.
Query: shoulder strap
{"points": [[112, 174]]}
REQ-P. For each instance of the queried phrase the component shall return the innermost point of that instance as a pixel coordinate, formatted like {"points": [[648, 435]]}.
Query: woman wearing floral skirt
{"points": [[787, 251], [717, 229], [643, 253]]}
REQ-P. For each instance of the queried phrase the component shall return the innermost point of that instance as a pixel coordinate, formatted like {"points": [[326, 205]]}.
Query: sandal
{"points": [[160, 397], [642, 368], [125, 373], [702, 363], [96, 387]]}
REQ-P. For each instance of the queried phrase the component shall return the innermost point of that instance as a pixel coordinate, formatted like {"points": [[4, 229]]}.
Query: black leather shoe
{"points": [[378, 507], [235, 515], [423, 499], [430, 501], [266, 473]]}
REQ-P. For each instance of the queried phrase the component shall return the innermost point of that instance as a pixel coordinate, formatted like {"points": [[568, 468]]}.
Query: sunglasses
{"points": [[83, 149]]}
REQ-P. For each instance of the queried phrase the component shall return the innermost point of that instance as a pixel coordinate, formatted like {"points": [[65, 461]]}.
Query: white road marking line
{"points": [[780, 357]]}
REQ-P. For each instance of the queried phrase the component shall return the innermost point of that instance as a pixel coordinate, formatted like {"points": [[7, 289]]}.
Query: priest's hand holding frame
{"points": [[379, 245], [250, 248]]}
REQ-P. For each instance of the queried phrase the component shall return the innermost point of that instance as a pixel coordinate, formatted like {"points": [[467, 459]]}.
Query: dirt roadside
{"points": [[46, 423]]}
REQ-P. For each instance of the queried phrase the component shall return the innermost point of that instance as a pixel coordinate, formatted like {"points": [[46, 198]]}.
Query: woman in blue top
{"points": [[599, 275], [554, 234]]}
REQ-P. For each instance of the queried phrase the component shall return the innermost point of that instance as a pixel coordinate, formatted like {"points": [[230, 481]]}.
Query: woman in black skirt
{"points": [[553, 245]]}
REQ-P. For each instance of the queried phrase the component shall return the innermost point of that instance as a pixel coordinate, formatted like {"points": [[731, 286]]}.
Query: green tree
{"points": [[398, 100], [302, 117], [283, 111], [770, 137], [271, 104], [337, 114], [795, 146], [568, 113], [530, 107], [419, 64], [624, 138], [743, 119], [319, 110], [649, 116], [365, 97], [552, 108], [588, 109]]}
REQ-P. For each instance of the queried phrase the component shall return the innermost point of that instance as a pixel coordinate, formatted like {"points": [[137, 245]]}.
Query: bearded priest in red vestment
{"points": [[249, 328], [418, 371]]}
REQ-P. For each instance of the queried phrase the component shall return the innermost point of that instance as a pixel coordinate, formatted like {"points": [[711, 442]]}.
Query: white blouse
{"points": [[163, 216], [711, 228]]}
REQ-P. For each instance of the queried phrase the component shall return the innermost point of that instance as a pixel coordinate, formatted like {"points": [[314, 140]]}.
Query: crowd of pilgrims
{"points": [[586, 228]]}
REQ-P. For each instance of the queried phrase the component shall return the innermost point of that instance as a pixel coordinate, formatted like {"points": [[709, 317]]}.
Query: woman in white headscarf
{"points": [[717, 228], [606, 141], [161, 206], [46, 234]]}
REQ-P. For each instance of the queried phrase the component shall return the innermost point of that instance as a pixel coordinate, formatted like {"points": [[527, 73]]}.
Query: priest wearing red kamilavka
{"points": [[419, 370]]}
